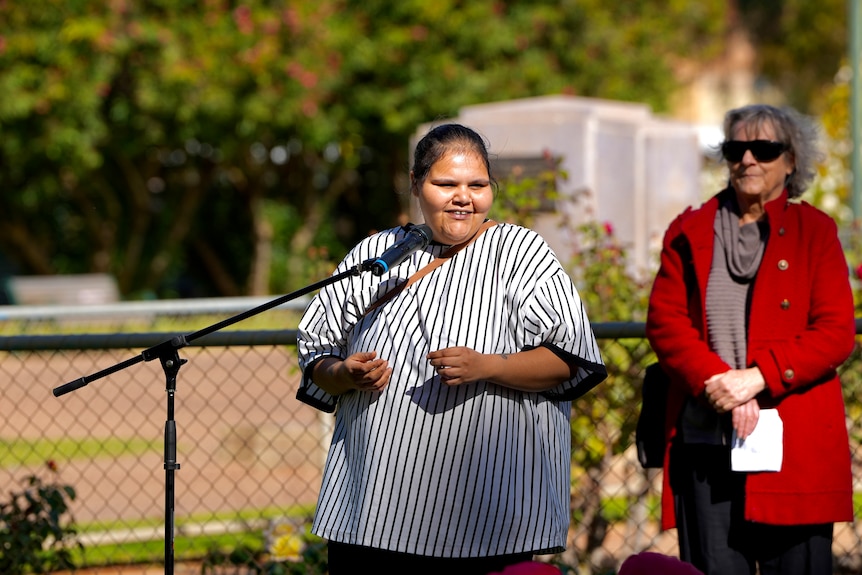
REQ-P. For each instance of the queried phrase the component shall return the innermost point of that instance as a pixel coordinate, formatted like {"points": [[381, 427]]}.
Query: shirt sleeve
{"points": [[325, 328], [323, 332], [317, 341], [554, 317]]}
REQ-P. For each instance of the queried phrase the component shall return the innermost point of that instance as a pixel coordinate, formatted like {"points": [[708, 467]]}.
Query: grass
{"points": [[246, 515], [616, 509], [35, 452], [186, 547], [184, 324]]}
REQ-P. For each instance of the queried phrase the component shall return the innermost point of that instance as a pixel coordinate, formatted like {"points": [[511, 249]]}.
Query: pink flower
{"points": [[242, 18], [609, 228], [291, 19]]}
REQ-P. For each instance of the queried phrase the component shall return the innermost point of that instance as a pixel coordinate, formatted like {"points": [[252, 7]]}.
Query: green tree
{"points": [[235, 148], [138, 140], [831, 193], [800, 45], [602, 421]]}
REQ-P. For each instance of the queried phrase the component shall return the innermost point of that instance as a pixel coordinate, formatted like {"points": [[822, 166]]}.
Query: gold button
{"points": [[780, 231], [789, 375], [783, 265], [785, 304]]}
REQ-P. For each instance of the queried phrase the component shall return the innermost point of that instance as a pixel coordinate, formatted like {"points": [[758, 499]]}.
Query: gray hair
{"points": [[799, 133]]}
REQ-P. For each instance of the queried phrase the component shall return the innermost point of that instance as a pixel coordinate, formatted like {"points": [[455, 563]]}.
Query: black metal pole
{"points": [[171, 364], [167, 353]]}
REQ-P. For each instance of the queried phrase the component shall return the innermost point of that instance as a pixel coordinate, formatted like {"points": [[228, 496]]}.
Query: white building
{"points": [[625, 166]]}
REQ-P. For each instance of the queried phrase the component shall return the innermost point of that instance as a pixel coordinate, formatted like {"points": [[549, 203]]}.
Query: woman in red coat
{"points": [[752, 310]]}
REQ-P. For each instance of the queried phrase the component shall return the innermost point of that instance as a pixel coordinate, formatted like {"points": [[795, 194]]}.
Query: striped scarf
{"points": [[737, 252]]}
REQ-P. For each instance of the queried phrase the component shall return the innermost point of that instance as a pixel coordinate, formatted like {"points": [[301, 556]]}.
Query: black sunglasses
{"points": [[762, 150]]}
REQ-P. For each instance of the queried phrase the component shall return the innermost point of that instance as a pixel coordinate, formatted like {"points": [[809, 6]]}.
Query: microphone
{"points": [[416, 239]]}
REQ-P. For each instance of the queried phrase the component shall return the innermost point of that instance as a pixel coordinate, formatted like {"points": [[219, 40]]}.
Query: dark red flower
{"points": [[530, 568]]}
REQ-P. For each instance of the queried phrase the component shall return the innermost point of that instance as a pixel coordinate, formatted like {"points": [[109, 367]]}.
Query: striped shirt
{"points": [[471, 470]]}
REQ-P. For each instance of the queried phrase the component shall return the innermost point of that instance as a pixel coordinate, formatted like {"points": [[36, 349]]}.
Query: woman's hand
{"points": [[730, 389], [366, 373], [458, 365], [745, 418], [534, 370], [360, 371]]}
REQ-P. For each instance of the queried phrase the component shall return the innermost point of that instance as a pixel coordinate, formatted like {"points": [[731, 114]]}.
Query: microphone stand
{"points": [[168, 355]]}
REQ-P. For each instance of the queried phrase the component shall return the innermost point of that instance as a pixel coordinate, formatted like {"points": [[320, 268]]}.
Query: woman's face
{"points": [[758, 181], [456, 196]]}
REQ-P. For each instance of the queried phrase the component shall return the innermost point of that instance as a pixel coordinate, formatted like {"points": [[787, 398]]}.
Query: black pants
{"points": [[713, 533], [348, 559]]}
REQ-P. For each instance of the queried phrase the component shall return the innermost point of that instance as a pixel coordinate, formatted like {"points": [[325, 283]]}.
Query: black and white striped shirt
{"points": [[465, 471]]}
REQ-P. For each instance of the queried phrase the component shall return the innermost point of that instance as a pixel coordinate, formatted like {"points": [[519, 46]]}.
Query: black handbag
{"points": [[649, 433]]}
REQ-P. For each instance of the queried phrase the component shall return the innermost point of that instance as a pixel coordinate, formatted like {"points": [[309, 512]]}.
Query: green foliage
{"points": [[800, 45], [521, 194], [611, 292], [171, 143], [287, 553], [187, 548], [600, 266], [603, 421], [34, 537], [219, 149], [831, 189], [290, 271], [831, 192], [851, 386]]}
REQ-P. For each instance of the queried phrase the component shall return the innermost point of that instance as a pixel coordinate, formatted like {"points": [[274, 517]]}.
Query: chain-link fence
{"points": [[251, 456]]}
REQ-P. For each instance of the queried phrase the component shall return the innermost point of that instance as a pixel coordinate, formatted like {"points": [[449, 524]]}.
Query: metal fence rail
{"points": [[251, 455]]}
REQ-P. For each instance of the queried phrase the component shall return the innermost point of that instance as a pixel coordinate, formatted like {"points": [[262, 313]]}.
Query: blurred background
{"points": [[219, 148], [169, 164]]}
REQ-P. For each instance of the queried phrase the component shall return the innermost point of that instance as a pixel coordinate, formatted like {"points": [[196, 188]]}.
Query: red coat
{"points": [[801, 328]]}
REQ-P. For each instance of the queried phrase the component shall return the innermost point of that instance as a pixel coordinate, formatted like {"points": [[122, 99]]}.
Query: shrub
{"points": [[290, 550], [33, 535]]}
